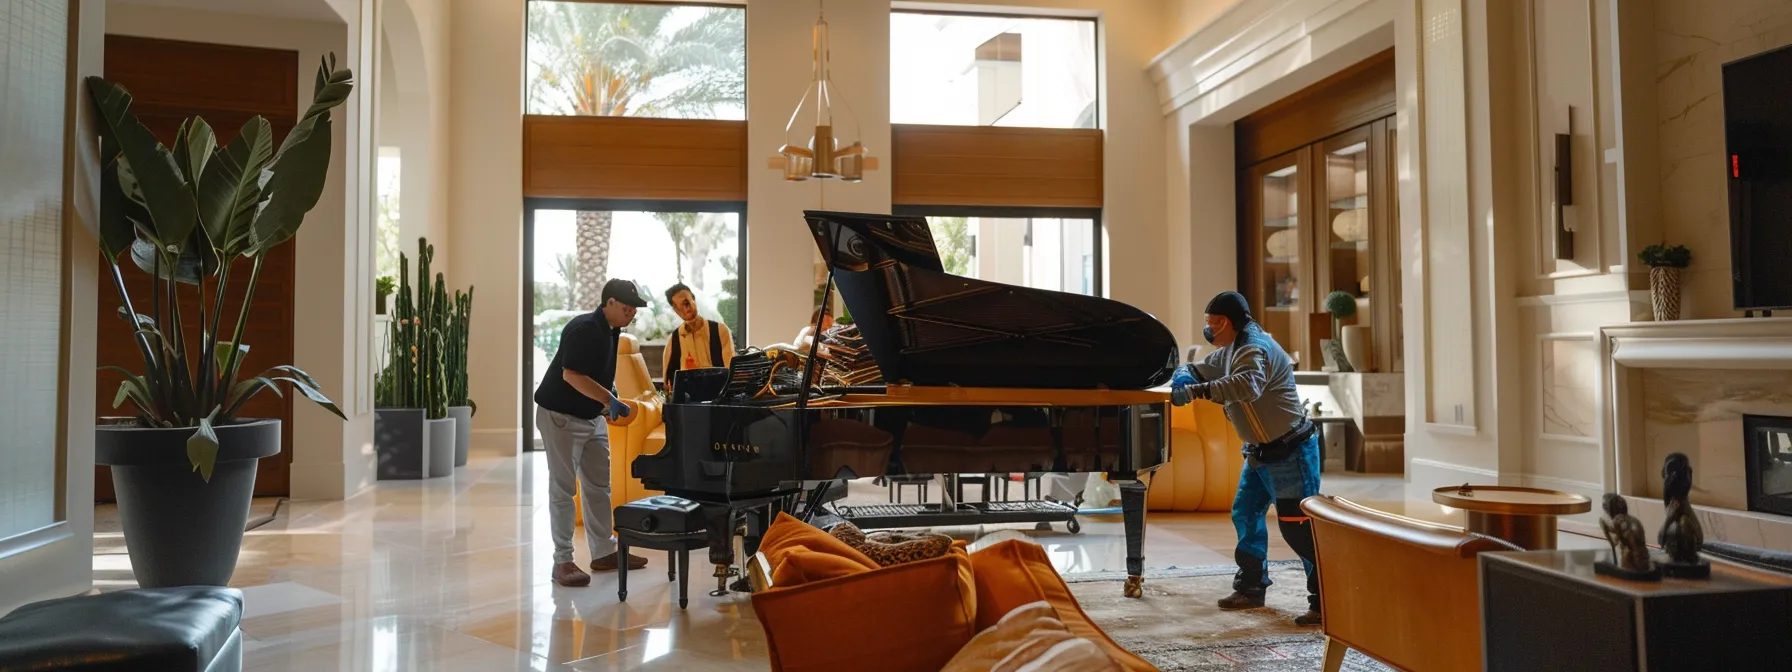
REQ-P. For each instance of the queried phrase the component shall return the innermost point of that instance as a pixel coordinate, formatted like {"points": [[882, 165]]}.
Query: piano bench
{"points": [[660, 523]]}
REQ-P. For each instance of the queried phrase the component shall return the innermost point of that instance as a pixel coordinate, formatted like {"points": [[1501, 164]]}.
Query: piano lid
{"points": [[927, 327]]}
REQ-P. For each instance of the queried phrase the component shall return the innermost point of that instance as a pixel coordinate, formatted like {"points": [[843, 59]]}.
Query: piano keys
{"points": [[979, 377]]}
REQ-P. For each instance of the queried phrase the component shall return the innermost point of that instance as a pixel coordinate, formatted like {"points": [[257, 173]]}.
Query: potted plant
{"points": [[1342, 306], [382, 288], [413, 434], [460, 407], [1664, 278], [184, 465]]}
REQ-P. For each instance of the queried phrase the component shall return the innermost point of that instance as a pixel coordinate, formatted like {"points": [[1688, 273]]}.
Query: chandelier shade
{"points": [[821, 140]]}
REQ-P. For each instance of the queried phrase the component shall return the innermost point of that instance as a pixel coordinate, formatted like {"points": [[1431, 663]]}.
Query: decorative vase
{"points": [[463, 432], [1356, 346], [1329, 361], [1664, 292], [438, 440], [398, 443], [180, 529]]}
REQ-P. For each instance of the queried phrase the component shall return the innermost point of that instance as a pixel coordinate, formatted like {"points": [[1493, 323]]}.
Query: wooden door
{"points": [[171, 81], [1276, 264]]}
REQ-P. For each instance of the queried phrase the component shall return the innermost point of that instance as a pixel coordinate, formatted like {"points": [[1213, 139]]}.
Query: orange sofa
{"points": [[826, 606], [1202, 474], [1403, 591]]}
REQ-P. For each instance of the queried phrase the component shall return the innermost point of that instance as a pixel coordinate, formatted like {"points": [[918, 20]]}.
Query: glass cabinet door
{"points": [[1279, 281], [1346, 226]]}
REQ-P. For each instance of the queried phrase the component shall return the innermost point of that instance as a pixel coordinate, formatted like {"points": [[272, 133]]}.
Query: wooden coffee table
{"points": [[1523, 516]]}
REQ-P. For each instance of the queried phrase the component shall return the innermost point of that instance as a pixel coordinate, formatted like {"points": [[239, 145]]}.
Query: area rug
{"points": [[1177, 626]]}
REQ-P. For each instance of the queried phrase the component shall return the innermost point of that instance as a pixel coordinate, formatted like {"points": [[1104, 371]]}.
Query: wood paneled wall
{"points": [[1353, 97], [995, 166], [634, 158], [170, 81]]}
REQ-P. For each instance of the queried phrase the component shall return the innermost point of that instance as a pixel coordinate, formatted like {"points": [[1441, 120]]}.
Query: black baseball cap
{"points": [[625, 291], [1233, 307]]}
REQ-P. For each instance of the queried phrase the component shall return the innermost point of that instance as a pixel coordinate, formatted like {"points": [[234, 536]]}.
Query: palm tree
{"points": [[625, 60]]}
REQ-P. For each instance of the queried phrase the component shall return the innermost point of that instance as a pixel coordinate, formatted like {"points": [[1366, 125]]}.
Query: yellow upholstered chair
{"points": [[641, 433], [1202, 474]]}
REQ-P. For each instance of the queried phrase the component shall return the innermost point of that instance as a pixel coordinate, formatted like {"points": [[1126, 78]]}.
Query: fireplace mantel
{"points": [[1743, 343], [1628, 353]]}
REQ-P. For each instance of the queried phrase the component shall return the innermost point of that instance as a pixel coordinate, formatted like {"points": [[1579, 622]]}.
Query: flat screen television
{"points": [[1758, 161]]}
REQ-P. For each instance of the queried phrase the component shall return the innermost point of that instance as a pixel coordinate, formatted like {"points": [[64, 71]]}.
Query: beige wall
{"points": [[331, 459], [485, 206]]}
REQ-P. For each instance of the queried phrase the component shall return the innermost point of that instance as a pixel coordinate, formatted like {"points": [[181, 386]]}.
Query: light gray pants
{"points": [[582, 447]]}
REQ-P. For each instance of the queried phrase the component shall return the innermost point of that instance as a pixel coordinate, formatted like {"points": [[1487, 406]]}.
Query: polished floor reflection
{"points": [[452, 574]]}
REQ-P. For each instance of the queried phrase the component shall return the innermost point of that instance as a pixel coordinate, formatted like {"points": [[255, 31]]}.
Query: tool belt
{"points": [[1283, 446]]}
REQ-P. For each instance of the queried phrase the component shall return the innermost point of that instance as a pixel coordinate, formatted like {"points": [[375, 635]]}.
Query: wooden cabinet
{"points": [[1319, 216]]}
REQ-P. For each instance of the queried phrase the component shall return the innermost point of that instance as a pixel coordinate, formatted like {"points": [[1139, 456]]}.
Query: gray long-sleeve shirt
{"points": [[1254, 378]]}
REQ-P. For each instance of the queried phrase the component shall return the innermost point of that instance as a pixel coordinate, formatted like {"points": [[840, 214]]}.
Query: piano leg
{"points": [[1132, 510], [719, 523]]}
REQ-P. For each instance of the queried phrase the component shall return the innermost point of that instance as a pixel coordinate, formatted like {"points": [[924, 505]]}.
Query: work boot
{"points": [[608, 563], [1240, 599], [1312, 617], [568, 574]]}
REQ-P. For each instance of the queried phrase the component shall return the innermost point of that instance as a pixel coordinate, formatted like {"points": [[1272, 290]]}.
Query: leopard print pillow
{"points": [[893, 548]]}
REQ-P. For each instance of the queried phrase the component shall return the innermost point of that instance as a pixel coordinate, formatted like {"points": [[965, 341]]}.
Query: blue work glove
{"points": [[1182, 378], [1179, 395], [617, 408]]}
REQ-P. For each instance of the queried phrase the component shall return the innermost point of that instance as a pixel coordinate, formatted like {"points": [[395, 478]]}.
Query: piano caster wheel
{"points": [[722, 573], [1042, 527], [621, 596], [1074, 527], [1135, 587]]}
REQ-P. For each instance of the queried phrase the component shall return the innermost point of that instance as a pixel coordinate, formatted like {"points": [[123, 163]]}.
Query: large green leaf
{"points": [[133, 387], [296, 181], [186, 269], [202, 449], [222, 354], [198, 146], [230, 187], [166, 194], [117, 229], [310, 391], [246, 389]]}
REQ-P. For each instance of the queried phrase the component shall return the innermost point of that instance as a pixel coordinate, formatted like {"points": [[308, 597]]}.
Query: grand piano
{"points": [[978, 377]]}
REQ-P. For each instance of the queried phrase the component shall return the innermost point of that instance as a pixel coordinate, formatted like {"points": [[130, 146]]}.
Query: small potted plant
{"points": [[382, 288], [1342, 306], [184, 465], [1664, 264]]}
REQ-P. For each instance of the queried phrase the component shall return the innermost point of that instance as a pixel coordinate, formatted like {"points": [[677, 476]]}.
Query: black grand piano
{"points": [[978, 377]]}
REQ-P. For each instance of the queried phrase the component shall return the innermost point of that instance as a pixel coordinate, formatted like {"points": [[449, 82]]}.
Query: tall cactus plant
{"points": [[459, 329], [418, 351]]}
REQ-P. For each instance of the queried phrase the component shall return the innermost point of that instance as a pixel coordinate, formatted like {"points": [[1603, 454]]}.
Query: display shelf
{"points": [[1351, 203], [1281, 260], [1356, 245], [1288, 222]]}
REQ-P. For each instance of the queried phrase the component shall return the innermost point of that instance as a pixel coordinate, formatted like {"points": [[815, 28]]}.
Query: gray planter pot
{"points": [[398, 443], [180, 529], [463, 432], [438, 458]]}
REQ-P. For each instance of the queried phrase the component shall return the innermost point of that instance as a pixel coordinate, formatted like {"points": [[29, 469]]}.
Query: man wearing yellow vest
{"points": [[1254, 378]]}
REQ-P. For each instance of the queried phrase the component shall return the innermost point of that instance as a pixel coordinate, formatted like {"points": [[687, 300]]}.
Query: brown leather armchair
{"points": [[1202, 474], [1403, 591]]}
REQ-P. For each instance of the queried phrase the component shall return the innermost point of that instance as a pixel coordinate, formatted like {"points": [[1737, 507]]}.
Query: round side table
{"points": [[1523, 516]]}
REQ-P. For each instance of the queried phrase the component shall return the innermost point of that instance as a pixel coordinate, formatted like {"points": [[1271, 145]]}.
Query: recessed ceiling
{"points": [[305, 10]]}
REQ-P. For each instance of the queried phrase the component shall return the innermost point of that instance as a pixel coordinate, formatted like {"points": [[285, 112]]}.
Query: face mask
{"points": [[1207, 333]]}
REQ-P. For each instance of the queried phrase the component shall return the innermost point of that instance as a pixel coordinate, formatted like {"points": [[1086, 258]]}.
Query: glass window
{"points": [[636, 60], [977, 70], [575, 251], [1055, 253], [386, 223]]}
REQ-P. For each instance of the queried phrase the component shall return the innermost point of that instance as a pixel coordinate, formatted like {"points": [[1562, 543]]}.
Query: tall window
{"points": [[1042, 248], [979, 70], [637, 60]]}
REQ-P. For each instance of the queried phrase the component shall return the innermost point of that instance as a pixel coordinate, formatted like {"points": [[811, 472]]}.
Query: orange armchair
{"points": [[1202, 474]]}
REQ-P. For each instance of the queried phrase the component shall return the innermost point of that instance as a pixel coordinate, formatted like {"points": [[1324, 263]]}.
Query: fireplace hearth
{"points": [[1768, 440]]}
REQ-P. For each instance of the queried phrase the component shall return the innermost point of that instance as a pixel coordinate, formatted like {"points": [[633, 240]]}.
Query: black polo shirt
{"points": [[587, 346]]}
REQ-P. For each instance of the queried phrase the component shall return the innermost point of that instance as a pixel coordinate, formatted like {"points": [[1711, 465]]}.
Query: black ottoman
{"points": [[185, 629], [671, 524]]}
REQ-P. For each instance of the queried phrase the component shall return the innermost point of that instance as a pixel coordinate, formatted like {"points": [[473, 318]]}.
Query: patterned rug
{"points": [[1177, 626]]}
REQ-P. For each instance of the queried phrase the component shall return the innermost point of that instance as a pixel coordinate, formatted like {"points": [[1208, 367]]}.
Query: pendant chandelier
{"points": [[832, 147]]}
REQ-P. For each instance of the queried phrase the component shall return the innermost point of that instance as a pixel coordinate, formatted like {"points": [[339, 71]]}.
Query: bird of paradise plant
{"points": [[183, 215]]}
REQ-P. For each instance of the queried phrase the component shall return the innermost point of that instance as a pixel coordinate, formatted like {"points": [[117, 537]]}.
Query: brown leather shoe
{"points": [[568, 574], [1241, 600], [1312, 617], [608, 563]]}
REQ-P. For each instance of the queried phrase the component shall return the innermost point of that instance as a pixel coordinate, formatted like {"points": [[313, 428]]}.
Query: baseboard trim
{"points": [[1428, 463], [1590, 490], [495, 441]]}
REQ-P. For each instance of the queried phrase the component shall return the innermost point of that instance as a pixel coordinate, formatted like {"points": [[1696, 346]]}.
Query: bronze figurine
{"points": [[1681, 537], [1630, 554]]}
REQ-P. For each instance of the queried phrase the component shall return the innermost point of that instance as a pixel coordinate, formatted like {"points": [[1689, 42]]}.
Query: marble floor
{"points": [[452, 574]]}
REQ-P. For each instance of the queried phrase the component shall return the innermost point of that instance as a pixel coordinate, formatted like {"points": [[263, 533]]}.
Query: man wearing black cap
{"points": [[576, 393], [1254, 378]]}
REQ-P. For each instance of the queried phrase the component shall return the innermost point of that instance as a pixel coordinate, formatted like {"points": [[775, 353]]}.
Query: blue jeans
{"points": [[1285, 484]]}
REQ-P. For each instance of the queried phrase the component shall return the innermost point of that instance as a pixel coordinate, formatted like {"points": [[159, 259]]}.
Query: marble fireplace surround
{"points": [[1683, 387]]}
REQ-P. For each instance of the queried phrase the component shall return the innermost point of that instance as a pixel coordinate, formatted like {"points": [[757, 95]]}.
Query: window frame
{"points": [[1097, 47], [532, 204], [1098, 250]]}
